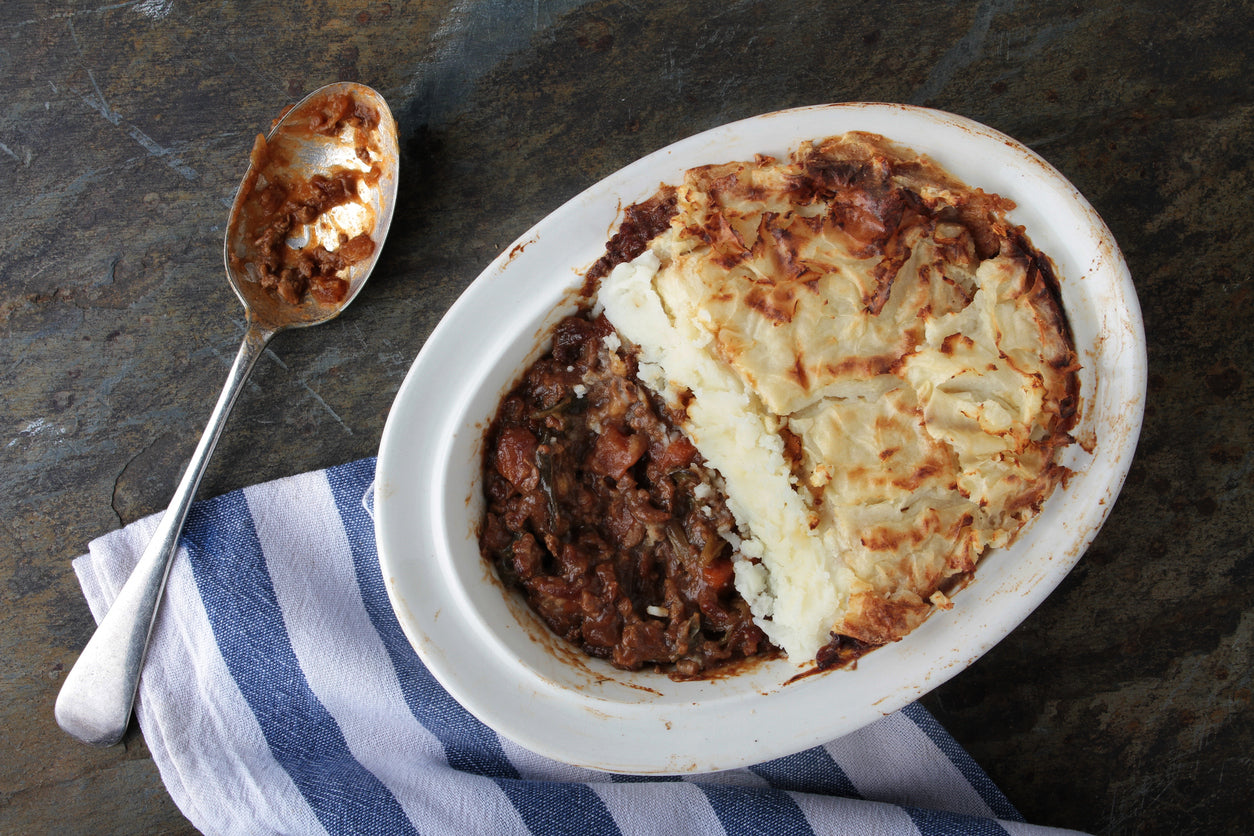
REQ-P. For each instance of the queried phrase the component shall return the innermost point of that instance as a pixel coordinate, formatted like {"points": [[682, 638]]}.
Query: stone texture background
{"points": [[1123, 705]]}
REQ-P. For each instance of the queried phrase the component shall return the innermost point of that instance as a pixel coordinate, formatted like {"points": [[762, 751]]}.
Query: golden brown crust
{"points": [[906, 343]]}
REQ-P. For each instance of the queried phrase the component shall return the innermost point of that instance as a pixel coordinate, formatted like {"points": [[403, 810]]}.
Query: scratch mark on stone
{"points": [[150, 145], [966, 51], [361, 337], [6, 149], [70, 189], [326, 406], [270, 353], [103, 107], [98, 104]]}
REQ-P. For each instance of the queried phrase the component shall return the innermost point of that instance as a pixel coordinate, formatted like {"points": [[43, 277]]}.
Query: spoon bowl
{"points": [[293, 151], [304, 233]]}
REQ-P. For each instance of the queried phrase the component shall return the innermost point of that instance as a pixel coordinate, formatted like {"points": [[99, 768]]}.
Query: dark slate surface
{"points": [[1121, 706]]}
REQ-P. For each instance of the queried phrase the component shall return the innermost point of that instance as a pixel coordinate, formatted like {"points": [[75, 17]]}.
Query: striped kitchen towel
{"points": [[280, 696]]}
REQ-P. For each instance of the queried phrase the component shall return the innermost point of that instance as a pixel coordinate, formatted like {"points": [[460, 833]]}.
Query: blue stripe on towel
{"points": [[938, 823], [813, 771], [962, 760], [469, 745], [560, 809], [248, 626], [755, 811]]}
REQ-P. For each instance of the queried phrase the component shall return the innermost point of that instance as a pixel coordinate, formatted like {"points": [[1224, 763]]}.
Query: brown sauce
{"points": [[641, 223], [284, 204], [605, 517]]}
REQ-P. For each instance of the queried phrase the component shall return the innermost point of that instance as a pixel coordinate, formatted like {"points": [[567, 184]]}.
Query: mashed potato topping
{"points": [[873, 359]]}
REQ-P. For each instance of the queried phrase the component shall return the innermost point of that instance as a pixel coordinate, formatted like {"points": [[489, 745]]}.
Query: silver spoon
{"points": [[309, 140]]}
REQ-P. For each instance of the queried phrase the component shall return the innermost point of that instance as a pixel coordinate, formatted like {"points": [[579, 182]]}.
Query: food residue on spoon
{"points": [[280, 208]]}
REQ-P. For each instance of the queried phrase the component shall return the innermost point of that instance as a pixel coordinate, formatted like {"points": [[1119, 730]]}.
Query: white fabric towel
{"points": [[280, 696]]}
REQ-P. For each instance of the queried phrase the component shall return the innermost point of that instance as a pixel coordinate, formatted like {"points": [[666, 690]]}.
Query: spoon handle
{"points": [[96, 699]]}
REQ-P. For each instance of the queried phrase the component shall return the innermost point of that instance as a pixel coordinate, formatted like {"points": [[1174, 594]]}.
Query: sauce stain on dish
{"points": [[519, 248]]}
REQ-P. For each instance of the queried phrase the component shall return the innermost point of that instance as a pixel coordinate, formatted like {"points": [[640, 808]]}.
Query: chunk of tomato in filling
{"points": [[615, 452]]}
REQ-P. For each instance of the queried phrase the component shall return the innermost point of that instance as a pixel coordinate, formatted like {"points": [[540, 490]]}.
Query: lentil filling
{"points": [[606, 517]]}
